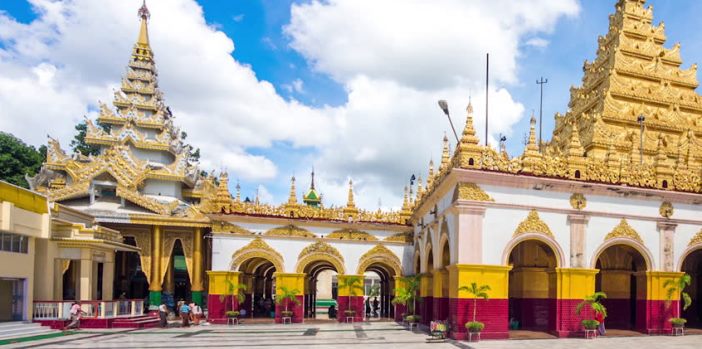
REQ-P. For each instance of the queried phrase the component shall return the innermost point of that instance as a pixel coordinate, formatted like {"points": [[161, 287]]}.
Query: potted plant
{"points": [[676, 286], [232, 314], [476, 292], [236, 292], [352, 283], [407, 296], [285, 296], [595, 302]]}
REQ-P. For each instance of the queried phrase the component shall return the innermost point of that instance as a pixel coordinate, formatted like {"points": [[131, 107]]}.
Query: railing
{"points": [[58, 310]]}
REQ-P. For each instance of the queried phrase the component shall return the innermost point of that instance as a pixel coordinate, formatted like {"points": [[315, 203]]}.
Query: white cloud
{"points": [[296, 85], [393, 61], [238, 18], [537, 42]]}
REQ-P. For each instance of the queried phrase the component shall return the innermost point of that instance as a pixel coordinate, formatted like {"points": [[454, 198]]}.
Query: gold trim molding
{"points": [[257, 248], [290, 230], [351, 234], [624, 230], [379, 255], [320, 251], [533, 224]]}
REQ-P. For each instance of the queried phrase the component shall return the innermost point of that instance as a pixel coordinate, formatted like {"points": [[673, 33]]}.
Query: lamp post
{"points": [[444, 106], [641, 120]]}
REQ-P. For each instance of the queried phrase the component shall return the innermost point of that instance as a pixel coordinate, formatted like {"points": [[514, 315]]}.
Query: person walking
{"points": [[185, 314], [76, 313], [368, 308], [163, 315], [376, 306]]}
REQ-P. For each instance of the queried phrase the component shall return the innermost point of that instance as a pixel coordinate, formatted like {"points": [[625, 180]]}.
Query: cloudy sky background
{"points": [[270, 88]]}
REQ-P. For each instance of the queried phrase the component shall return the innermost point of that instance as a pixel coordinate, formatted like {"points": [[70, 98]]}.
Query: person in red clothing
{"points": [[601, 328]]}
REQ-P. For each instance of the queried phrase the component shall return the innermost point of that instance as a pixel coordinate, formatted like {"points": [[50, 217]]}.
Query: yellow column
{"points": [[197, 284], [575, 283], [168, 279], [156, 277], [87, 279]]}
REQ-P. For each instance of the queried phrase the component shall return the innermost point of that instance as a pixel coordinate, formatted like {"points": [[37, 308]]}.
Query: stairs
{"points": [[142, 321], [19, 329]]}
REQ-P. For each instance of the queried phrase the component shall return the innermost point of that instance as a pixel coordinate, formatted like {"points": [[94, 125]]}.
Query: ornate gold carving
{"points": [[290, 230], [533, 224], [225, 227], [624, 230], [186, 240], [666, 209], [696, 240], [320, 251], [257, 248], [351, 234], [578, 201], [143, 241], [379, 255], [399, 237], [470, 191]]}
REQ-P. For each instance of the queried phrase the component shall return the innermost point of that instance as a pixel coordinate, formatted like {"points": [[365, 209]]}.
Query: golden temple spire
{"points": [[223, 199], [349, 201], [468, 131], [575, 148], [445, 154], [430, 177], [531, 151], [238, 192], [420, 189], [292, 199], [142, 48]]}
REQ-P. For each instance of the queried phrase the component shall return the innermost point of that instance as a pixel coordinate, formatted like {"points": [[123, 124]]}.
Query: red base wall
{"points": [[217, 305], [441, 309], [426, 309], [492, 312], [399, 310], [659, 312], [356, 304], [537, 314]]}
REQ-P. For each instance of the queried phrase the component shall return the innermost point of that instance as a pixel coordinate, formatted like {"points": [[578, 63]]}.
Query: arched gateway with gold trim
{"points": [[602, 206]]}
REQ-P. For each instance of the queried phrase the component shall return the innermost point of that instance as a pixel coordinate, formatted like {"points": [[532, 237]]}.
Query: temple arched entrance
{"points": [[532, 286], [692, 265], [320, 289], [441, 296], [176, 280], [622, 277], [257, 273], [381, 267]]}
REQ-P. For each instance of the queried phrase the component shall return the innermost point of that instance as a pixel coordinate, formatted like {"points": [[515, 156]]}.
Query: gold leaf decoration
{"points": [[351, 234], [470, 191], [624, 230], [225, 227], [257, 248], [399, 237], [666, 210], [697, 239], [381, 255], [317, 252], [290, 230], [578, 201], [533, 224]]}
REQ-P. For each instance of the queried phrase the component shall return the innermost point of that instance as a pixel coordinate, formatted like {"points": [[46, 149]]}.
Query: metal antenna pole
{"points": [[541, 83], [487, 94]]}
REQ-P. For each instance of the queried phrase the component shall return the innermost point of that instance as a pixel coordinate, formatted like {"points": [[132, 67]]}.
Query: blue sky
{"points": [[299, 76]]}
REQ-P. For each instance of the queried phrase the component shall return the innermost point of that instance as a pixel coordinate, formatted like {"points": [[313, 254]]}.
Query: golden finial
{"points": [[142, 49], [532, 146], [223, 198], [420, 189], [575, 148], [405, 200], [445, 154], [469, 131], [430, 177], [349, 202], [292, 199]]}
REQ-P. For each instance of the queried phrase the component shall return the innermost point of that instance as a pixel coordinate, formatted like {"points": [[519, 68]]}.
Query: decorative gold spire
{"points": [[531, 154], [223, 199], [430, 177], [350, 211], [292, 198], [574, 148], [468, 131], [445, 155], [420, 189], [142, 48], [238, 192]]}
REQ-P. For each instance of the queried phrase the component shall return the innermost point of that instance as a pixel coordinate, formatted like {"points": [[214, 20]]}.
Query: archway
{"points": [[321, 263], [622, 277], [258, 275], [532, 286], [441, 300], [176, 280], [383, 266], [692, 265]]}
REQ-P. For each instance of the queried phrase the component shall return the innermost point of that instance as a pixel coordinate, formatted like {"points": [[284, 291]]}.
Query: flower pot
{"points": [[590, 324], [286, 313], [677, 322], [474, 326]]}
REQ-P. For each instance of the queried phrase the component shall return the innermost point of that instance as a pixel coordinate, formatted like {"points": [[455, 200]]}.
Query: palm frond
{"points": [[687, 301]]}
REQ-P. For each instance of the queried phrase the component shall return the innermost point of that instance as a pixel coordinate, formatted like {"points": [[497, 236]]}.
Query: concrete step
{"points": [[22, 329]]}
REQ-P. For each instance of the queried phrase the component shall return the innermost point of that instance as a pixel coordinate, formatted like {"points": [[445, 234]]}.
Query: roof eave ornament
{"points": [[144, 11]]}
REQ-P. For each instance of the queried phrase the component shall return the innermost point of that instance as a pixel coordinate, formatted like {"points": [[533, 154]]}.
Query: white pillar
{"points": [[86, 280], [666, 232], [469, 225], [578, 225]]}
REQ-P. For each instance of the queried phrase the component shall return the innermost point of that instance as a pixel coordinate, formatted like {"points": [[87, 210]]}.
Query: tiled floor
{"points": [[309, 336]]}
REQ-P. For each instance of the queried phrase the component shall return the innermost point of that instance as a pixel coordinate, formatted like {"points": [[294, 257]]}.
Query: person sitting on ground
{"points": [[332, 311], [185, 314]]}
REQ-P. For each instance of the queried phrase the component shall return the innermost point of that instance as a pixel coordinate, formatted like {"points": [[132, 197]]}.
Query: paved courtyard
{"points": [[366, 335]]}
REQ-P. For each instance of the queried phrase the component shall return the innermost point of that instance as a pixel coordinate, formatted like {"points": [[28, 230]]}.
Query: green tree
{"points": [[18, 159], [78, 143], [595, 302], [351, 283], [677, 286], [286, 295], [407, 295], [477, 292]]}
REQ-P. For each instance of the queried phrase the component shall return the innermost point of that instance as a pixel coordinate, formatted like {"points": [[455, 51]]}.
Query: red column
{"points": [[492, 312]]}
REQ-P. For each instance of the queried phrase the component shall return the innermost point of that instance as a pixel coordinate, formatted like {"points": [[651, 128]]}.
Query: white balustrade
{"points": [[57, 310]]}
